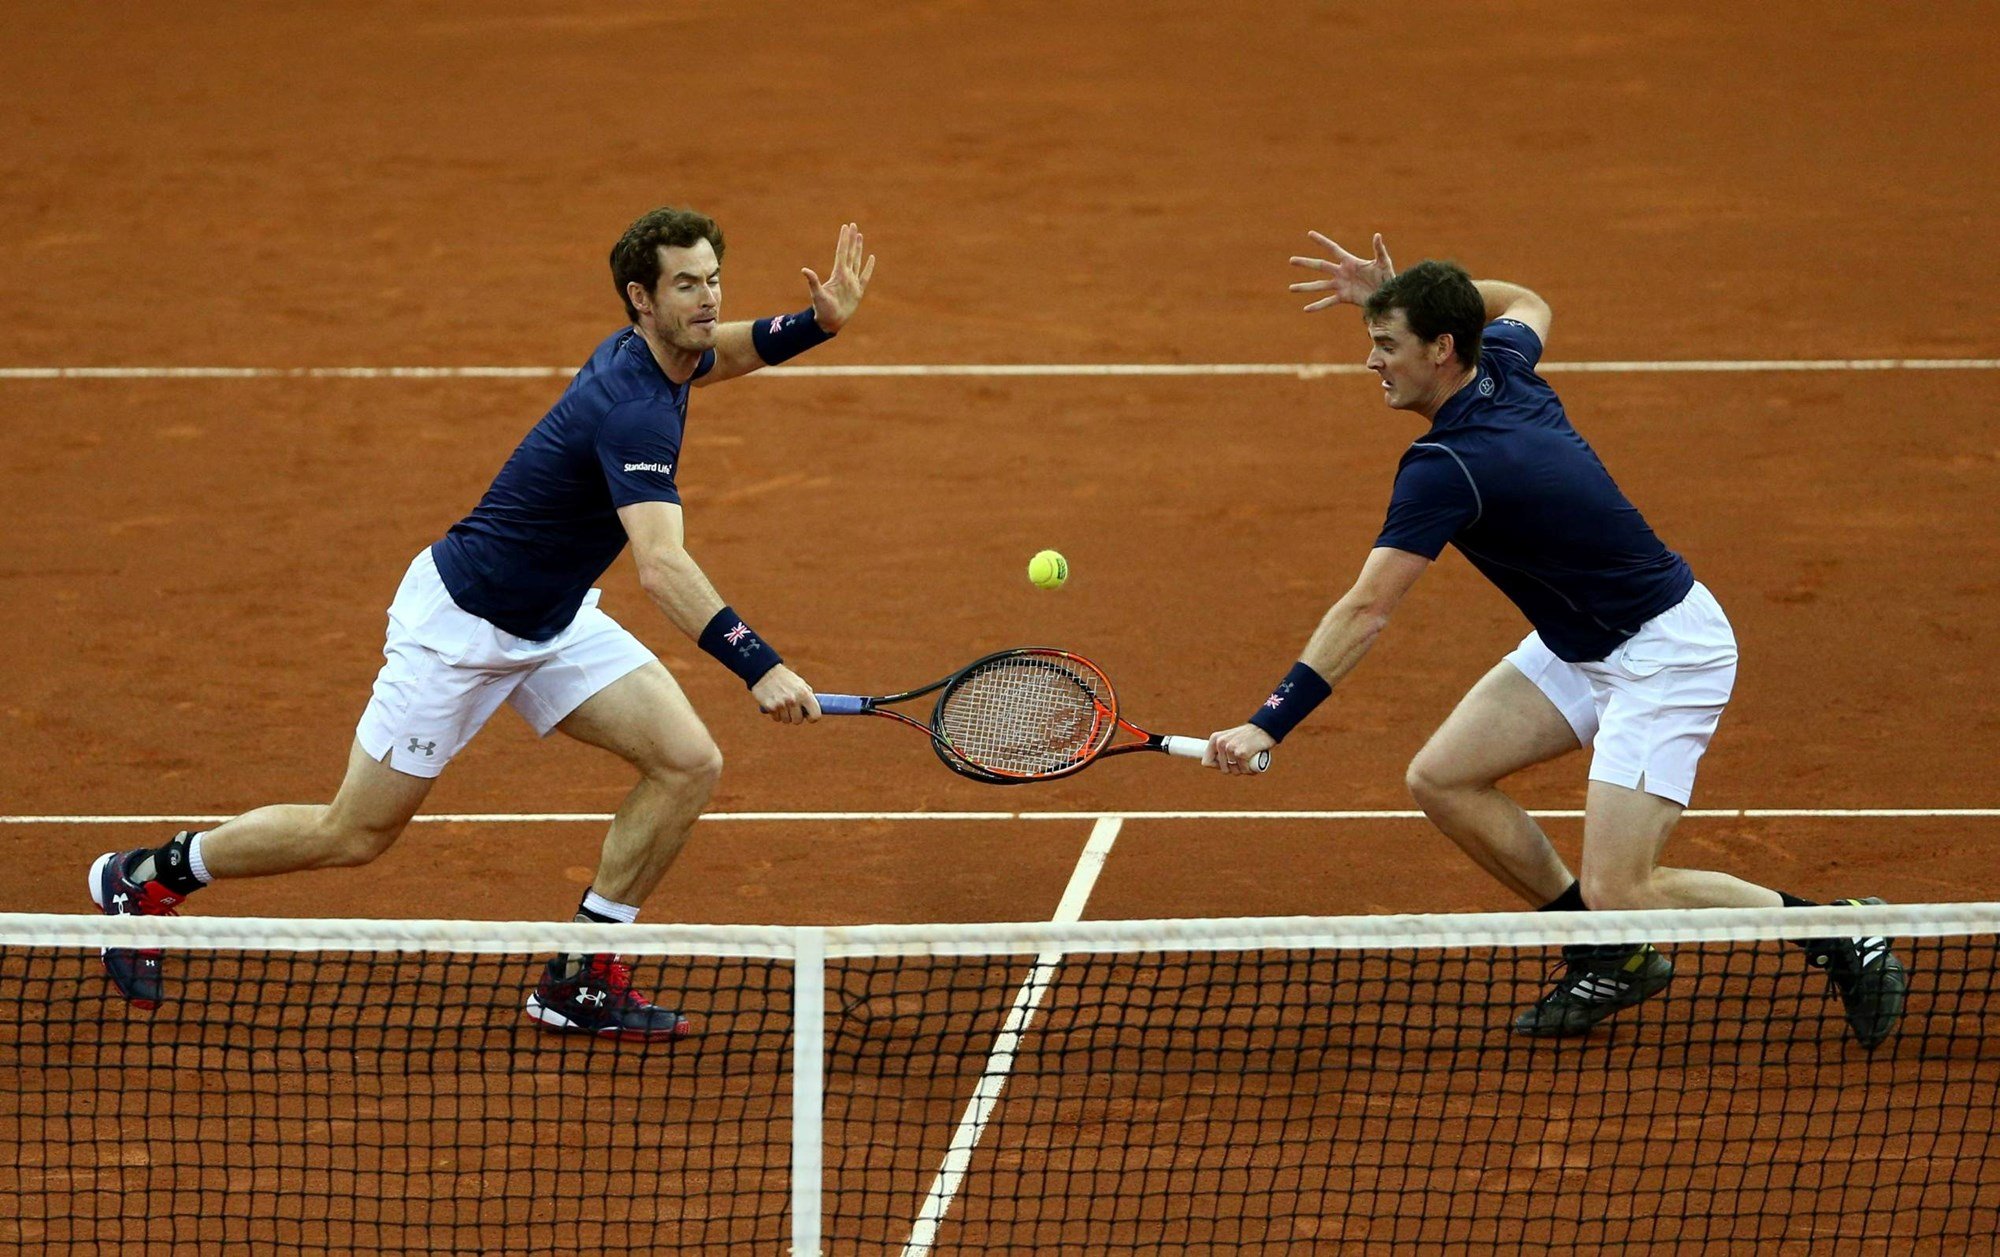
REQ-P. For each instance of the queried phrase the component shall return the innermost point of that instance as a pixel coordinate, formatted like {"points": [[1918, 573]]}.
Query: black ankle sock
{"points": [[168, 865], [1570, 900], [1793, 901], [1803, 944]]}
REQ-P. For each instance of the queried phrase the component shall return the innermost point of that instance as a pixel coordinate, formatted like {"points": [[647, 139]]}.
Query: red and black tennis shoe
{"points": [[134, 971], [596, 997]]}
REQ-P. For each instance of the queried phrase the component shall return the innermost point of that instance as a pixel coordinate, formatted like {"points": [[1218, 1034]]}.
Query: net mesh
{"points": [[1334, 1085], [1027, 714]]}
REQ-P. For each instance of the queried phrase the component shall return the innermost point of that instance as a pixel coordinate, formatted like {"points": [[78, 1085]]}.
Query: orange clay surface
{"points": [[193, 573]]}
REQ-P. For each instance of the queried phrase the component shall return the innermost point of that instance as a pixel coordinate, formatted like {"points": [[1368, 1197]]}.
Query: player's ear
{"points": [[1443, 348], [642, 301]]}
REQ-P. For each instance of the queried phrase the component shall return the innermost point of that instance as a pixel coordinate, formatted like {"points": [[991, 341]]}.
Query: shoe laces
{"points": [[616, 975]]}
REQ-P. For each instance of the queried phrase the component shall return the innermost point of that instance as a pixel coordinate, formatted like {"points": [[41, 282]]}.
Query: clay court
{"points": [[195, 567]]}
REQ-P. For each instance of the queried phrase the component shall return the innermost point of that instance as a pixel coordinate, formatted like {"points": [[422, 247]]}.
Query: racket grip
{"points": [[842, 704], [1197, 748]]}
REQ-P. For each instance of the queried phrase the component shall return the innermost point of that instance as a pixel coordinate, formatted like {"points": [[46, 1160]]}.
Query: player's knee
{"points": [[350, 844], [1431, 780], [692, 769]]}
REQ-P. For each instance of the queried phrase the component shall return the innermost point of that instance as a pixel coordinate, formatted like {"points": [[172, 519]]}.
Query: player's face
{"points": [[1412, 368], [687, 302]]}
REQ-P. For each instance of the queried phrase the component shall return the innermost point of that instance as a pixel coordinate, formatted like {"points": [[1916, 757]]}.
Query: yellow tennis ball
{"points": [[1048, 570]]}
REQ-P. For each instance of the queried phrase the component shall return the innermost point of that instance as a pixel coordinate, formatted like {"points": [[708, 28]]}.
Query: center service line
{"points": [[986, 1096]]}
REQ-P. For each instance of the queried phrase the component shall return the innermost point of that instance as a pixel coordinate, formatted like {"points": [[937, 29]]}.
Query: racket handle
{"points": [[842, 704], [1197, 748]]}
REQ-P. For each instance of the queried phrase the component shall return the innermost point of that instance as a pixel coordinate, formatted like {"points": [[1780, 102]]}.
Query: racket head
{"points": [[1032, 713]]}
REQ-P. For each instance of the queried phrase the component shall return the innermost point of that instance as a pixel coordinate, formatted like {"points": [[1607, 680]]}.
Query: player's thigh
{"points": [[645, 719], [1505, 723], [1624, 832], [375, 798]]}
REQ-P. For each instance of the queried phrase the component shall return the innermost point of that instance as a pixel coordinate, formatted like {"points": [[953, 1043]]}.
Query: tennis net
{"points": [[1260, 1086]]}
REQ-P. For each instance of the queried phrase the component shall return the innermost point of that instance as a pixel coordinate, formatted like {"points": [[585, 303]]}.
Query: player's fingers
{"points": [[1316, 264], [812, 280], [1314, 285], [1322, 304], [1339, 252], [868, 271], [811, 707], [1381, 250]]}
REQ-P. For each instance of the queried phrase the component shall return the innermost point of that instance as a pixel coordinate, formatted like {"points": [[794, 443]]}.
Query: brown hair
{"points": [[635, 259], [1436, 297]]}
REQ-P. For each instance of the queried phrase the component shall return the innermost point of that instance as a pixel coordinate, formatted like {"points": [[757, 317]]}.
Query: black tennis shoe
{"points": [[1597, 981], [1866, 975], [134, 971], [598, 999]]}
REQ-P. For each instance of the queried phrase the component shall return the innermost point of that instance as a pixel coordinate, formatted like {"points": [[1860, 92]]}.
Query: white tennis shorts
{"points": [[446, 671], [1649, 708]]}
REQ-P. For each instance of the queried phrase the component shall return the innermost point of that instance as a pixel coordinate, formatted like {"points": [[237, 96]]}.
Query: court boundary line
{"points": [[1359, 814], [985, 1098], [908, 370]]}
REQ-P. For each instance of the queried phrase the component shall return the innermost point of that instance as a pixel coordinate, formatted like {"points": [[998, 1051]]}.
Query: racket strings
{"points": [[1026, 715]]}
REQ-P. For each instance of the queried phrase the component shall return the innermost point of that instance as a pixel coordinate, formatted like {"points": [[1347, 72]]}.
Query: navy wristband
{"points": [[738, 647], [787, 336], [1293, 700]]}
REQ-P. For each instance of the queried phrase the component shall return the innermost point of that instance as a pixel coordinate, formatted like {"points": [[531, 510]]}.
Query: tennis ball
{"points": [[1048, 570]]}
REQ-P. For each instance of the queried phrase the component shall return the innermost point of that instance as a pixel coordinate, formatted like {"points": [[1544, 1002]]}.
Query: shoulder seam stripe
{"points": [[1478, 501]]}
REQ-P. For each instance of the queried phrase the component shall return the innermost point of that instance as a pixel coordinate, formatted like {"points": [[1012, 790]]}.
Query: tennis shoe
{"points": [[598, 999], [135, 971], [1597, 981], [1866, 975]]}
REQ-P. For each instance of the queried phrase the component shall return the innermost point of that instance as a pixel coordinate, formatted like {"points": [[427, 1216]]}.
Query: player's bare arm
{"points": [[834, 302], [1345, 278], [1511, 301], [1345, 634], [682, 592]]}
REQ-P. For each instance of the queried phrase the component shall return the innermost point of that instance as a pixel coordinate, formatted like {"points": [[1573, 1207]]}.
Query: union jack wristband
{"points": [[737, 646], [1293, 700], [787, 336]]}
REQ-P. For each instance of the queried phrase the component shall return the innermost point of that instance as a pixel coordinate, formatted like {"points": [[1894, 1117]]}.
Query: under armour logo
{"points": [[426, 747], [120, 898], [587, 996]]}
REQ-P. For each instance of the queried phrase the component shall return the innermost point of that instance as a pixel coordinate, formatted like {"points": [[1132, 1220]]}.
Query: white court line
{"points": [[598, 818], [894, 370], [1000, 1061]]}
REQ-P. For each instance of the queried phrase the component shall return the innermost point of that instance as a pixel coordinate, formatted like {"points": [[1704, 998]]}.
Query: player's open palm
{"points": [[834, 301], [1348, 280]]}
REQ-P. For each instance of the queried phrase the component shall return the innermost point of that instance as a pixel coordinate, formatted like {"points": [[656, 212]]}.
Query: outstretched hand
{"points": [[835, 300], [1351, 280]]}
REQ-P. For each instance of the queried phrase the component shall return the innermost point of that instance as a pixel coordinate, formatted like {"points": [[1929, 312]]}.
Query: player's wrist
{"points": [[736, 646], [1295, 697], [788, 336]]}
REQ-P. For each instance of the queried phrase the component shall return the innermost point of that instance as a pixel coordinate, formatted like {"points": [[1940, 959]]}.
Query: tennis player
{"points": [[1629, 655], [501, 610]]}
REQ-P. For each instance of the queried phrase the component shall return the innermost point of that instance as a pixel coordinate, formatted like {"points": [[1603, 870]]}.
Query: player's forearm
{"points": [[1501, 297], [741, 348], [1344, 636], [680, 589]]}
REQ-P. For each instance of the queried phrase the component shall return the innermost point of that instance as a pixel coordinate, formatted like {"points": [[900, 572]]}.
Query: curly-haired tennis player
{"points": [[1629, 654], [501, 609]]}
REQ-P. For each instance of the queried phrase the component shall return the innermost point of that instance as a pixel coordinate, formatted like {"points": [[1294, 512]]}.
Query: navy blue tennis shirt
{"points": [[1504, 477], [526, 556]]}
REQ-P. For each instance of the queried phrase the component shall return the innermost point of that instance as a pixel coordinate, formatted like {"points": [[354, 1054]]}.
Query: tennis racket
{"points": [[1028, 714]]}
